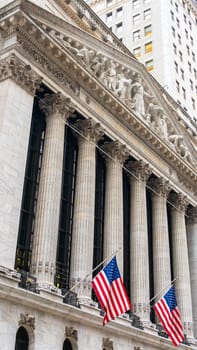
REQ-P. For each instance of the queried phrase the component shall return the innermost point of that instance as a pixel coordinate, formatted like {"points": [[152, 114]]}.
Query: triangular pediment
{"points": [[113, 78], [127, 80]]}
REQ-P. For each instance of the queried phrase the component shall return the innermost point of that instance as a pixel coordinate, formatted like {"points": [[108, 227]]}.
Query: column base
{"points": [[188, 330], [149, 327], [124, 320], [88, 305], [191, 340], [11, 277], [49, 291]]}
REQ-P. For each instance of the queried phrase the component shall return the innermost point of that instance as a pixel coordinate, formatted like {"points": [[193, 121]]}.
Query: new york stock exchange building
{"points": [[95, 158]]}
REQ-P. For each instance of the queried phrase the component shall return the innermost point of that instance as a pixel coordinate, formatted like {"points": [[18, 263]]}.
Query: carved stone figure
{"points": [[180, 147], [122, 89], [109, 76], [85, 55], [107, 344], [71, 333], [27, 320], [137, 95], [175, 141], [98, 64], [157, 120]]}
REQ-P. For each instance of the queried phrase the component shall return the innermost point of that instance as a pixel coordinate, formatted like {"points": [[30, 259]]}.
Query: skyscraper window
{"points": [[136, 35], [147, 14], [148, 30], [149, 47]]}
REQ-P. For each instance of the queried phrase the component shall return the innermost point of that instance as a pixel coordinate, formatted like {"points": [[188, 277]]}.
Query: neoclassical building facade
{"points": [[94, 160]]}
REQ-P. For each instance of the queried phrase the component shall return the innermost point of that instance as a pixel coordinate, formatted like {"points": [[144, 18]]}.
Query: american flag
{"points": [[169, 315], [111, 292]]}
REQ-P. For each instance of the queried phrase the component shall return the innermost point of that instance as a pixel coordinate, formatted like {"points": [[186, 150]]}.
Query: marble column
{"points": [[57, 109], [181, 262], [192, 250], [83, 220], [18, 84], [161, 246], [140, 294], [113, 222]]}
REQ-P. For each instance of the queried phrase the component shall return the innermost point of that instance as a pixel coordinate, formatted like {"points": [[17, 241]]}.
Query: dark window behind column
{"points": [[99, 210], [30, 189], [66, 211], [126, 221]]}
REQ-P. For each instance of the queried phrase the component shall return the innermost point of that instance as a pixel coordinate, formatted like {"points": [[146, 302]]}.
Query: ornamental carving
{"points": [[15, 69], [139, 169], [27, 320], [6, 272], [160, 186], [180, 201], [56, 104], [141, 308], [51, 68], [71, 333], [115, 150], [107, 344], [188, 328], [124, 82], [89, 129], [192, 215], [129, 86], [79, 285], [48, 287]]}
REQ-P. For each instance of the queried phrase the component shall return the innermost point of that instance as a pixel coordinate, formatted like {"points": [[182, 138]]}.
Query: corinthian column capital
{"points": [[116, 150], [161, 186], [180, 201], [192, 215], [56, 105], [140, 169], [14, 68], [90, 129]]}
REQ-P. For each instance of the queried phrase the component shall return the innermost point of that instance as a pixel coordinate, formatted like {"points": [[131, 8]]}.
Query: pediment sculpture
{"points": [[129, 86]]}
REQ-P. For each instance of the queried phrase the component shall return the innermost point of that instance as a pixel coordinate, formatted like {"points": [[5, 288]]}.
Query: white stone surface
{"points": [[181, 266], [161, 246], [113, 224], [83, 221], [139, 261], [15, 120], [192, 251]]}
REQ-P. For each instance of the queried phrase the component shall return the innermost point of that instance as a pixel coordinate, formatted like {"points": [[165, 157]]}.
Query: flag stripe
{"points": [[169, 316], [111, 292]]}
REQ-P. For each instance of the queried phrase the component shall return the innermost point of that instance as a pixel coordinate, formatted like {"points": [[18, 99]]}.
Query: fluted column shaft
{"points": [[113, 223], [181, 263], [139, 264], [192, 250], [83, 220], [48, 204], [161, 247]]}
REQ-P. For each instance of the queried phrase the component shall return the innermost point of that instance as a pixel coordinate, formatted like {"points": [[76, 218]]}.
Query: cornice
{"points": [[121, 327], [57, 61]]}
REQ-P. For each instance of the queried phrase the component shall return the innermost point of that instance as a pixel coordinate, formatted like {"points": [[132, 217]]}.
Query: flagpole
{"points": [[156, 295], [90, 272]]}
